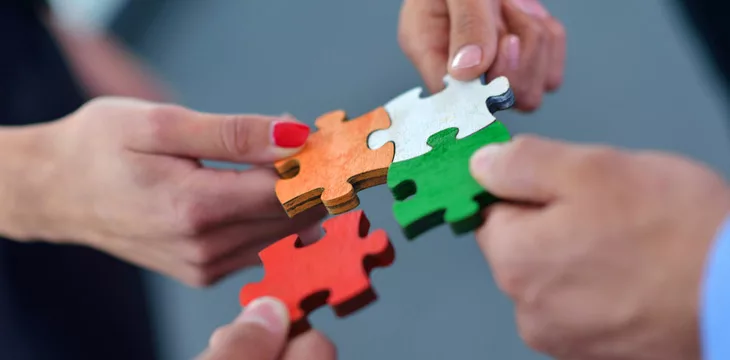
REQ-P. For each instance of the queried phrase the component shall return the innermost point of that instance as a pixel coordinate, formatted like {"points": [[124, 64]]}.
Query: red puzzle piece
{"points": [[334, 270]]}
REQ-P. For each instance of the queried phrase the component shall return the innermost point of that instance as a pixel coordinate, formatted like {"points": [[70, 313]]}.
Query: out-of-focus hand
{"points": [[467, 38], [124, 176], [604, 253], [260, 333], [104, 66]]}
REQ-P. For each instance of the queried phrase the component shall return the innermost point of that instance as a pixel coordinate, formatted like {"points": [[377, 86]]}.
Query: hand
{"points": [[260, 333], [103, 66], [602, 250], [123, 176], [515, 38]]}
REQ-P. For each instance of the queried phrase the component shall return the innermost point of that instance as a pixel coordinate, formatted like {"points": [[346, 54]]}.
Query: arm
{"points": [[715, 316]]}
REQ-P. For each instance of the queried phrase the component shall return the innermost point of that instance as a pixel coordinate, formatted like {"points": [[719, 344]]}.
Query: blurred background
{"points": [[635, 78]]}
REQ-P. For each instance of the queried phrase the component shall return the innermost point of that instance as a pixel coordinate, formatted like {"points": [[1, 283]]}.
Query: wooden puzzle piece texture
{"points": [[438, 187], [334, 164], [467, 106], [334, 270]]}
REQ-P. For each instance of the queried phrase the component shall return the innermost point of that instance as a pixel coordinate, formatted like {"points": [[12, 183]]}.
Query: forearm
{"points": [[715, 316], [24, 167]]}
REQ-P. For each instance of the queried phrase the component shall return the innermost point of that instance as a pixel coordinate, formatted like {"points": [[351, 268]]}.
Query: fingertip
{"points": [[289, 134], [481, 164], [268, 312], [311, 345]]}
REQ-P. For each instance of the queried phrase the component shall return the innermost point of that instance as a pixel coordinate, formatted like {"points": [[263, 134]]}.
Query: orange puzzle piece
{"points": [[334, 270], [335, 163]]}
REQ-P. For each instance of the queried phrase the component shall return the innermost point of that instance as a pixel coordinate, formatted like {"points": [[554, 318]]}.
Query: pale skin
{"points": [[123, 176]]}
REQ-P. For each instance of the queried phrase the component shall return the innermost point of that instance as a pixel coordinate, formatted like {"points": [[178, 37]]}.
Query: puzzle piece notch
{"points": [[466, 105], [334, 164], [334, 270], [438, 187]]}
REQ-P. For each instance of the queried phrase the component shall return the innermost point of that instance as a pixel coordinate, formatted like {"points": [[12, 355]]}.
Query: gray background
{"points": [[634, 78]]}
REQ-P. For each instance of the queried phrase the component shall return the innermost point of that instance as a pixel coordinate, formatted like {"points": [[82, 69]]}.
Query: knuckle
{"points": [[200, 277], [194, 218], [522, 145], [599, 160], [158, 119], [404, 39], [198, 252], [536, 31], [469, 23], [533, 336], [508, 281], [233, 137], [557, 30]]}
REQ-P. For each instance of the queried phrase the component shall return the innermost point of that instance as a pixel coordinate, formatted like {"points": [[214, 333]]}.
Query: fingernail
{"points": [[268, 312], [532, 7], [482, 160], [466, 57], [289, 134], [513, 51]]}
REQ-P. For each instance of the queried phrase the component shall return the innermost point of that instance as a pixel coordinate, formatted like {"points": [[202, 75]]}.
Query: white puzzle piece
{"points": [[462, 104]]}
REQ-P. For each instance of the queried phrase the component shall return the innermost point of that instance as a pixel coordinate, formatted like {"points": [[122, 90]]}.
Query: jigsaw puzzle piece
{"points": [[466, 105], [334, 270], [334, 164], [437, 187]]}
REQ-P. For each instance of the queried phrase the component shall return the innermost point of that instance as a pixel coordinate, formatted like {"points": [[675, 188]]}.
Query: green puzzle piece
{"points": [[437, 186]]}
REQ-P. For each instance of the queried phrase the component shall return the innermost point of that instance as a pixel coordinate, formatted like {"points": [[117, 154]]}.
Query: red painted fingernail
{"points": [[290, 134]]}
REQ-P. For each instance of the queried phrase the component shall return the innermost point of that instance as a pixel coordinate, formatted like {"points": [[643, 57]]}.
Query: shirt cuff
{"points": [[715, 316]]}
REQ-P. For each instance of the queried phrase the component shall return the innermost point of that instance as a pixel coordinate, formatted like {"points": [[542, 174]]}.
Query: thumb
{"points": [[473, 37], [248, 138], [259, 333], [527, 169]]}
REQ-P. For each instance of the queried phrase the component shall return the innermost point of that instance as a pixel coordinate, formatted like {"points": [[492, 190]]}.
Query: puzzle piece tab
{"points": [[437, 186], [334, 270], [334, 164], [467, 106]]}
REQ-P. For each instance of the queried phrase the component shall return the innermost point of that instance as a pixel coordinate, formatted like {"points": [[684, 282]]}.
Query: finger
{"points": [[311, 345], [528, 77], [243, 257], [504, 225], [205, 260], [528, 169], [208, 199], [473, 37], [423, 34], [174, 130], [504, 240], [212, 249], [259, 333], [507, 62], [556, 56]]}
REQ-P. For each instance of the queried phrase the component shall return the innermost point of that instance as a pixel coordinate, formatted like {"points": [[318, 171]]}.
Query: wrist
{"points": [[25, 173]]}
